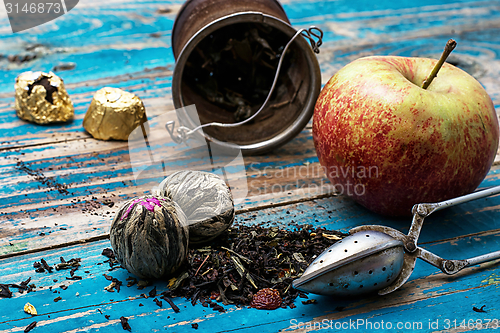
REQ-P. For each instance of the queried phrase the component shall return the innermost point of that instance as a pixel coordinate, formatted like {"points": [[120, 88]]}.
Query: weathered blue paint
{"points": [[112, 45], [424, 287]]}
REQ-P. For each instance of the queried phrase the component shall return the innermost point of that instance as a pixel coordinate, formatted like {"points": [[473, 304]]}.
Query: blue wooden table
{"points": [[126, 44]]}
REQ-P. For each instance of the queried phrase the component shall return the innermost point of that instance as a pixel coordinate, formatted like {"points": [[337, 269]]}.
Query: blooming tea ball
{"points": [[205, 199], [149, 236]]}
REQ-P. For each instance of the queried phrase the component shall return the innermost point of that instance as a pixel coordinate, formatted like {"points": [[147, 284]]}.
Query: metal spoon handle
{"points": [[422, 210], [454, 266], [465, 198]]}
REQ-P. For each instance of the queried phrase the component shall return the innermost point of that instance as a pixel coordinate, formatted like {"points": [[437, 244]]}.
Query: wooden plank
{"points": [[130, 60], [34, 218], [37, 215], [104, 178], [425, 297]]}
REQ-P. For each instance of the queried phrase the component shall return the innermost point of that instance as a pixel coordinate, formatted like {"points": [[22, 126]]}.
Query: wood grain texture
{"points": [[427, 296], [60, 187]]}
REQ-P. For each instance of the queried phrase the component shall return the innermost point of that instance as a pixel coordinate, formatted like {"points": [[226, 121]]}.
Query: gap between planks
{"points": [[106, 235]]}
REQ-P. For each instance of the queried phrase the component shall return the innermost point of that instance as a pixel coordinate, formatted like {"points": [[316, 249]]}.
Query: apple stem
{"points": [[450, 46]]}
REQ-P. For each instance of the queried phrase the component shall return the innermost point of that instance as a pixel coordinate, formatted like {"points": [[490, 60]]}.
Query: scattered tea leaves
{"points": [[249, 258], [115, 284], [131, 281], [309, 301], [5, 291], [73, 263], [46, 266], [480, 309], [125, 324], [172, 304]]}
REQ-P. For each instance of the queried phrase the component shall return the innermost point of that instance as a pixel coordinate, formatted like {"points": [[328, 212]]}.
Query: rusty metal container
{"points": [[205, 30]]}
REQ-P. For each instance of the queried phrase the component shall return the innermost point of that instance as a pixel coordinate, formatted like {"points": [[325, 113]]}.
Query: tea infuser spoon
{"points": [[379, 258]]}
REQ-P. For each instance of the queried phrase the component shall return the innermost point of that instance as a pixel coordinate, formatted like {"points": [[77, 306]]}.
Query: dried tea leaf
{"points": [[172, 304], [30, 327], [30, 309], [309, 301], [248, 261], [143, 283], [242, 271], [111, 287], [177, 282], [125, 324], [46, 266], [108, 253], [331, 237], [299, 257], [480, 309], [5, 291]]}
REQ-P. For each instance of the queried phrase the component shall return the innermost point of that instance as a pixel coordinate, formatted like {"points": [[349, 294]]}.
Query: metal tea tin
{"points": [[292, 103]]}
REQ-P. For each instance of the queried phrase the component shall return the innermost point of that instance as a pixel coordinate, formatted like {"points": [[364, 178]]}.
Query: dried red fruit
{"points": [[266, 299]]}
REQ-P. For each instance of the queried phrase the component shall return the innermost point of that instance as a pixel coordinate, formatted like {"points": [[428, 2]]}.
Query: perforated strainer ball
{"points": [[149, 236]]}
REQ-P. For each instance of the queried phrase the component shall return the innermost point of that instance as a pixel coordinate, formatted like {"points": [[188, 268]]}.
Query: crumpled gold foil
{"points": [[34, 104], [114, 114], [30, 309]]}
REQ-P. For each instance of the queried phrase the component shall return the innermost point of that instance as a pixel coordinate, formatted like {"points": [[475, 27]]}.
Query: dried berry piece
{"points": [[266, 299], [195, 326], [125, 324]]}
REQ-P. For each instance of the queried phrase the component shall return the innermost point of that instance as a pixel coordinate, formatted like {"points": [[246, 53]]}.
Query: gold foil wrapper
{"points": [[114, 114], [41, 98], [30, 309]]}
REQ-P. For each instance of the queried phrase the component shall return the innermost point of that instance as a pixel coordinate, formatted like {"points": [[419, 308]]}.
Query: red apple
{"points": [[390, 144]]}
